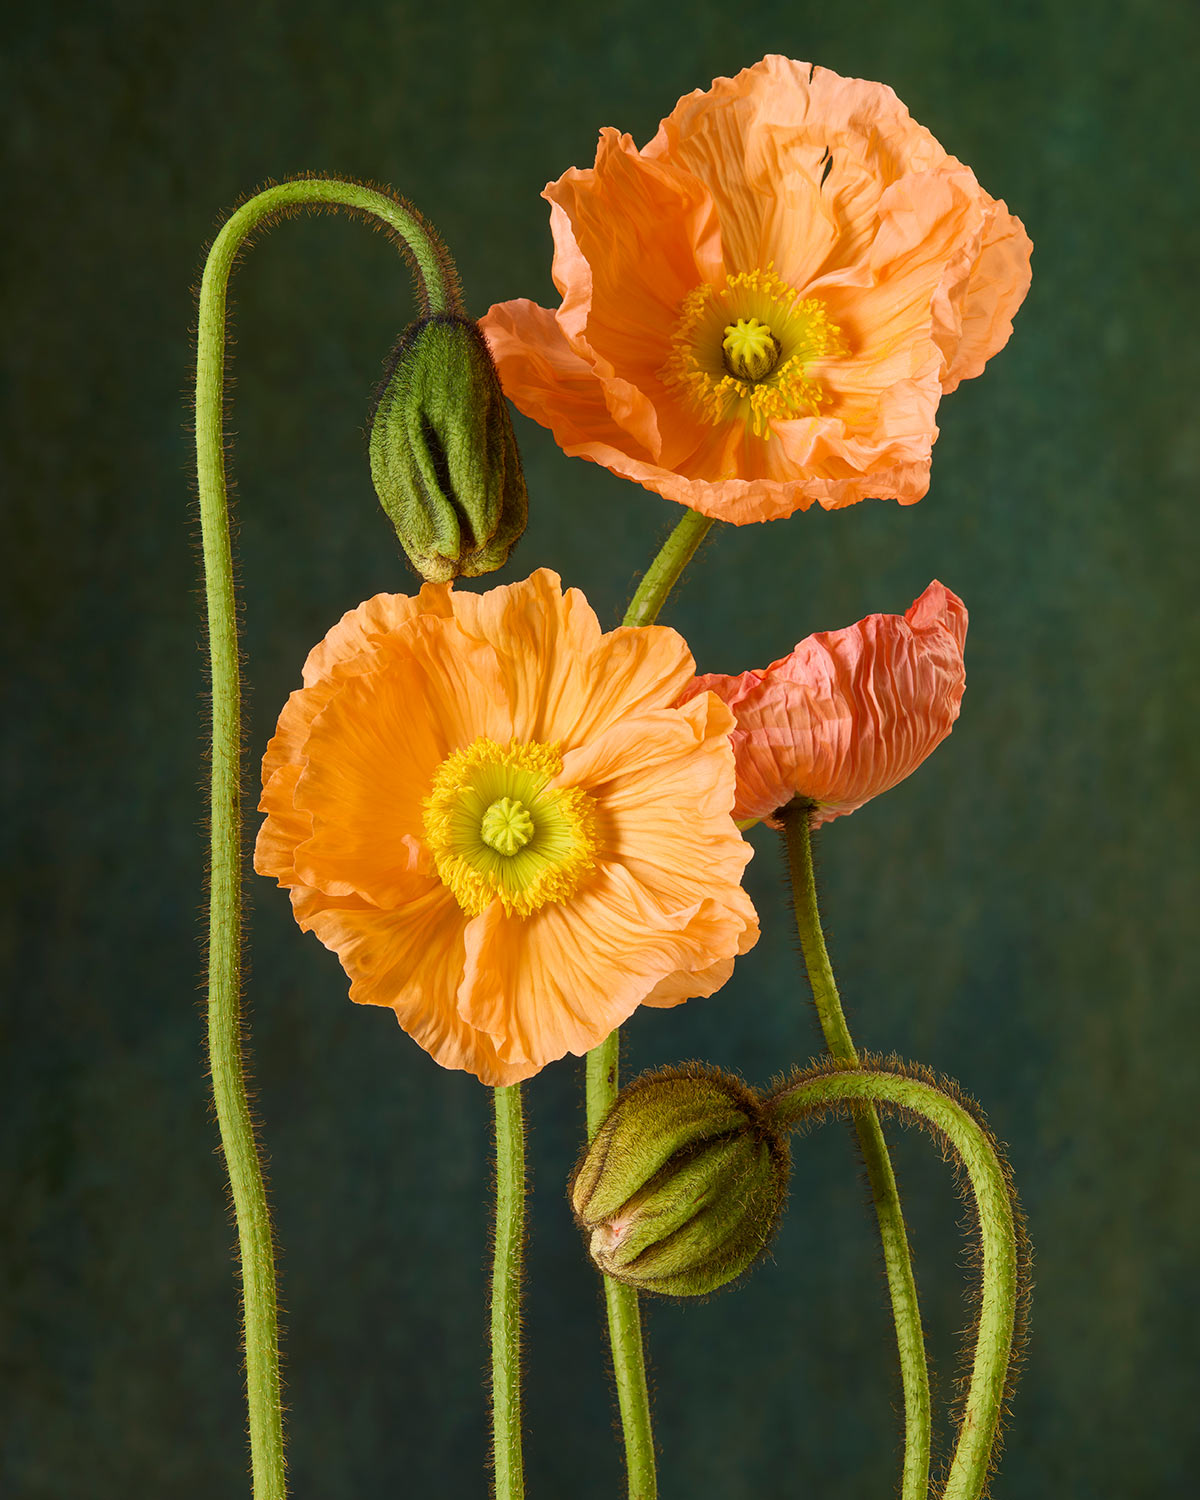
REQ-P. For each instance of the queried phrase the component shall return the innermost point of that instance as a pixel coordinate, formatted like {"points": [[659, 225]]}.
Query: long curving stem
{"points": [[624, 1316], [902, 1286], [998, 1301], [227, 1065], [507, 1261]]}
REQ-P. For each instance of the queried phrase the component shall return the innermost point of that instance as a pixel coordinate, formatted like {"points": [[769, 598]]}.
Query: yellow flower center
{"points": [[497, 829], [742, 350]]}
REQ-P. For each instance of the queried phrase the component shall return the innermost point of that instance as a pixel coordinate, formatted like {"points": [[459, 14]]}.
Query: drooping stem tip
{"points": [[438, 290], [990, 1188]]}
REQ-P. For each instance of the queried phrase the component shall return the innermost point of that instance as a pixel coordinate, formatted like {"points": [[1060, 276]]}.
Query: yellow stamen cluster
{"points": [[741, 350], [498, 830]]}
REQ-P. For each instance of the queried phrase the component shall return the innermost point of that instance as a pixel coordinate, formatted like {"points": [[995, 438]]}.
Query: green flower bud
{"points": [[682, 1188], [443, 455]]}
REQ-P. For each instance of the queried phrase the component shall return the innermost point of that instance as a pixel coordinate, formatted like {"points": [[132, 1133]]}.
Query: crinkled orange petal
{"points": [[411, 959], [830, 182], [547, 380], [667, 893], [664, 829], [284, 828], [849, 713], [796, 159], [558, 982], [349, 649], [566, 680], [666, 785], [619, 305], [682, 986], [345, 651], [396, 688], [980, 320], [370, 759], [376, 620]]}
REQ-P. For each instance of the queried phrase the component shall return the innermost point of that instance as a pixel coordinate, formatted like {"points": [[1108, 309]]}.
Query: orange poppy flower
{"points": [[762, 307], [503, 822], [849, 713]]}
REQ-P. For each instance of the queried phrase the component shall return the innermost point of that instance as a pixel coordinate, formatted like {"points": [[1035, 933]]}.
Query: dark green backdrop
{"points": [[1013, 916]]}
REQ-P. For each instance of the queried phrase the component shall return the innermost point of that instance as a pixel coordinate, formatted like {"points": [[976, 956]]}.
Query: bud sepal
{"points": [[444, 457]]}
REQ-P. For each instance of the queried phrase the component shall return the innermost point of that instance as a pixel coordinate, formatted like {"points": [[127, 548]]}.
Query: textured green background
{"points": [[1013, 915]]}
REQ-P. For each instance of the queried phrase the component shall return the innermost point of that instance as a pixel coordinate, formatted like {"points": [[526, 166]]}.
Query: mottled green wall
{"points": [[1013, 915]]}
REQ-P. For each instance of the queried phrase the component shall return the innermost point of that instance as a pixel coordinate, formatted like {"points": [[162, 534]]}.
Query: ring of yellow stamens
{"points": [[742, 350], [498, 830]]}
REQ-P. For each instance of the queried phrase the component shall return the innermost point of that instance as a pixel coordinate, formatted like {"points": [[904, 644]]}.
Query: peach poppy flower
{"points": [[503, 822], [763, 306], [849, 713]]}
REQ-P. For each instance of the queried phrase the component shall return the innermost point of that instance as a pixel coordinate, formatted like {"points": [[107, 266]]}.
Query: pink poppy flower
{"points": [[848, 713]]}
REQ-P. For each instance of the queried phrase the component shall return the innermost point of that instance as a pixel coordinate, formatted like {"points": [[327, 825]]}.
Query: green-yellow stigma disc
{"points": [[742, 350], [498, 830], [751, 350], [506, 826]]}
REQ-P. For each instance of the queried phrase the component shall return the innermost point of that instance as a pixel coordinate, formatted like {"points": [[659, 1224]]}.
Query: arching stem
{"points": [[989, 1185], [439, 292], [902, 1286]]}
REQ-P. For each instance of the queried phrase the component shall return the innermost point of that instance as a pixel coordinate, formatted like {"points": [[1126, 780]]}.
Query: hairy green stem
{"points": [[507, 1262], [624, 1317], [663, 573], [439, 292], [902, 1286], [998, 1301]]}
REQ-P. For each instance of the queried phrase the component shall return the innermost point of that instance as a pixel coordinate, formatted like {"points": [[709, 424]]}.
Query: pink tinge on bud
{"points": [[608, 1236], [848, 713]]}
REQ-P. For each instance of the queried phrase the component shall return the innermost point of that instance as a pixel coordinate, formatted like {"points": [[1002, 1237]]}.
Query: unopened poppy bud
{"points": [[682, 1187], [443, 455]]}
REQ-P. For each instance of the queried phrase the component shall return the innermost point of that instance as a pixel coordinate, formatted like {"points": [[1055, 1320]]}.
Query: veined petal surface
{"points": [[825, 186]]}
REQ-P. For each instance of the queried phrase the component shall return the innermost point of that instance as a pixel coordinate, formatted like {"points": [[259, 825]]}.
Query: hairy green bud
{"points": [[682, 1187], [443, 454]]}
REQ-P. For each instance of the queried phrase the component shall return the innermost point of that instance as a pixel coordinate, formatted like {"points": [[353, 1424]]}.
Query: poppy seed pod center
{"points": [[506, 826], [498, 830], [750, 350]]}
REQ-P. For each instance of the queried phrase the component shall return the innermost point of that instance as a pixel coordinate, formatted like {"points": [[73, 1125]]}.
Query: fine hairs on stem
{"points": [[621, 1302], [508, 1253], [885, 1194], [995, 1339], [438, 290]]}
